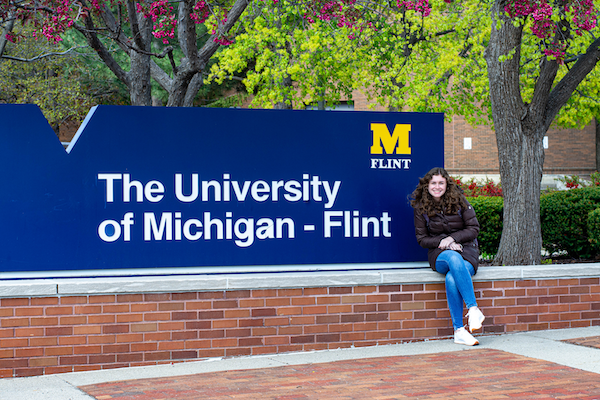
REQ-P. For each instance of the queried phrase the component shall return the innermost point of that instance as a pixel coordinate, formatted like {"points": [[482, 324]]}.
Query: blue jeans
{"points": [[459, 285]]}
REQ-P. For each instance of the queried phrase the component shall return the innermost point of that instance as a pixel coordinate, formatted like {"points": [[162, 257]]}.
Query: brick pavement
{"points": [[474, 373], [592, 341]]}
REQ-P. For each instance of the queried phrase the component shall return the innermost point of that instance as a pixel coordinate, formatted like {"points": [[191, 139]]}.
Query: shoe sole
{"points": [[467, 344], [477, 327]]}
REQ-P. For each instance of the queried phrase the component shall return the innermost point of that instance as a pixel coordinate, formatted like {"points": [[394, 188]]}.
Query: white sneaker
{"points": [[462, 336], [476, 318]]}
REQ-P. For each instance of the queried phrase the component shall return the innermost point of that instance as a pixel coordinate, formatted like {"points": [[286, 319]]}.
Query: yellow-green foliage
{"points": [[48, 82]]}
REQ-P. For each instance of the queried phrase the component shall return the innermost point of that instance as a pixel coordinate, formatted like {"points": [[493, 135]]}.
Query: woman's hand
{"points": [[455, 246], [446, 242]]}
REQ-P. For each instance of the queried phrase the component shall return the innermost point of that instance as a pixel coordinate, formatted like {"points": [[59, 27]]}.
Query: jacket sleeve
{"points": [[425, 238], [471, 227]]}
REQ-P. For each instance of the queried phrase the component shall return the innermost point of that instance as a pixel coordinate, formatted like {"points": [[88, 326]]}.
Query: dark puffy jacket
{"points": [[463, 228]]}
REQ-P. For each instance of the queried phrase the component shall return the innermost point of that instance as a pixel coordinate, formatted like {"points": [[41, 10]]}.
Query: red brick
{"points": [[172, 345], [65, 310], [156, 297], [277, 321], [16, 342], [127, 318], [87, 349], [265, 293], [101, 319], [211, 295], [142, 347], [73, 320], [236, 294], [302, 320], [13, 322], [364, 289], [29, 352], [14, 302], [364, 308], [71, 340], [157, 316], [174, 306], [303, 301], [157, 355], [315, 291], [569, 299], [72, 360], [115, 308], [87, 309], [329, 300], [143, 307], [251, 303], [289, 292], [102, 359], [130, 298], [157, 336], [314, 310], [107, 298], [412, 288], [28, 311]]}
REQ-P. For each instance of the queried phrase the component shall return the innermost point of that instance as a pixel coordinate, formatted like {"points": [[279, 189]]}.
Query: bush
{"points": [[593, 227], [489, 212], [564, 217]]}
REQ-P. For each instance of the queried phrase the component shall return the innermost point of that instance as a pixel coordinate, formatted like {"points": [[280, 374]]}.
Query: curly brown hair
{"points": [[452, 200]]}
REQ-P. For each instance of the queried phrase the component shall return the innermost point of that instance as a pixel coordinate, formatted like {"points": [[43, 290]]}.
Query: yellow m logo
{"points": [[399, 140]]}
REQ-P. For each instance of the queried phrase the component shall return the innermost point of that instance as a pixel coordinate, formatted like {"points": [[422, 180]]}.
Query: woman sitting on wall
{"points": [[445, 223]]}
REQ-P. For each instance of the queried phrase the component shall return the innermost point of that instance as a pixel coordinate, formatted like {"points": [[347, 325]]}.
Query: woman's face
{"points": [[437, 187]]}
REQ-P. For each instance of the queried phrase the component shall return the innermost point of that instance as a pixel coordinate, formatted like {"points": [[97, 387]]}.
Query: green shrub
{"points": [[489, 212], [564, 216], [593, 227]]}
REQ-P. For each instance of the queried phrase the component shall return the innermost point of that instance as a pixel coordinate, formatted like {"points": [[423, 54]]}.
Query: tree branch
{"points": [[42, 56], [567, 85]]}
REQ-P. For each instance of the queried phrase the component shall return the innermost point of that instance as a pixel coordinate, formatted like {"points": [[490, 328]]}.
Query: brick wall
{"points": [[570, 151], [47, 335]]}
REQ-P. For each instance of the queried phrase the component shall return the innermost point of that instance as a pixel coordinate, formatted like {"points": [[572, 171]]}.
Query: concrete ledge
{"points": [[275, 280]]}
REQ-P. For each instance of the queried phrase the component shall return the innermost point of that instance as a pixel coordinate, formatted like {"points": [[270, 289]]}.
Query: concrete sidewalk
{"points": [[549, 346]]}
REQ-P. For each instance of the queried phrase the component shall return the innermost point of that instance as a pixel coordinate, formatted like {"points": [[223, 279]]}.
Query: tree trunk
{"points": [[140, 90], [9, 24], [520, 149], [181, 88]]}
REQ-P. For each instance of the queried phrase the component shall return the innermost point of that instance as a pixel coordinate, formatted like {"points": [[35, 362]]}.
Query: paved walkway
{"points": [[558, 364]]}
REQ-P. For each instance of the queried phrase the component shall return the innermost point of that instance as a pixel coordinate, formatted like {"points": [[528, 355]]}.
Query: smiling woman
{"points": [[445, 223], [437, 187]]}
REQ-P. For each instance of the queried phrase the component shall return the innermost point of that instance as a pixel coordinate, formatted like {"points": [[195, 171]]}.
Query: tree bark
{"points": [[9, 24], [195, 60], [141, 87]]}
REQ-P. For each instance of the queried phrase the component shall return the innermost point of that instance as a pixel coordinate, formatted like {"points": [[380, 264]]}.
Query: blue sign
{"points": [[176, 187]]}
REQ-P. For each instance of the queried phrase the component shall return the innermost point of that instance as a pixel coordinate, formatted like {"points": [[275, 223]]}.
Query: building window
{"points": [[545, 142], [467, 143]]}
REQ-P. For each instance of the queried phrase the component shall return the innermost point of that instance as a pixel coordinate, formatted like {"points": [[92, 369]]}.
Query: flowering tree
{"points": [[147, 29], [142, 30], [563, 31]]}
